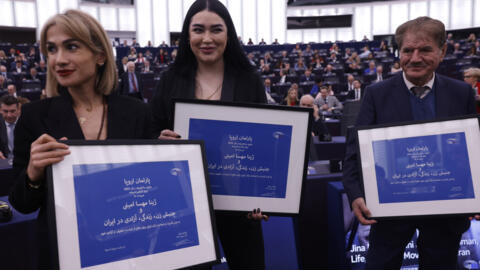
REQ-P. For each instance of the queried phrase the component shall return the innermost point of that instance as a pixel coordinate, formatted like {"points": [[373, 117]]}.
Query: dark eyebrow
{"points": [[65, 41], [198, 25]]}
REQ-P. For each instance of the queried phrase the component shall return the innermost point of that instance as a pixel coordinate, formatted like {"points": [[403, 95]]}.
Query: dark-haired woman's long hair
{"points": [[234, 55]]}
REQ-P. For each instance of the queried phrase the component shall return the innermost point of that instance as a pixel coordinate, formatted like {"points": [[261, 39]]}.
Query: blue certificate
{"points": [[423, 168], [245, 159], [128, 210]]}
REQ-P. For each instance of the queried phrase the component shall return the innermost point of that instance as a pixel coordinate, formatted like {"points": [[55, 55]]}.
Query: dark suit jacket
{"points": [[3, 138], [351, 94], [125, 87], [127, 118], [237, 86], [388, 102]]}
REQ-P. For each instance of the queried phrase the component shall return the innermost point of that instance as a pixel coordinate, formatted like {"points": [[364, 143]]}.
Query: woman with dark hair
{"points": [[212, 65]]}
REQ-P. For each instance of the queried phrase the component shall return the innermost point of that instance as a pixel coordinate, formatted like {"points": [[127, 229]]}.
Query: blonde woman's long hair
{"points": [[84, 28]]}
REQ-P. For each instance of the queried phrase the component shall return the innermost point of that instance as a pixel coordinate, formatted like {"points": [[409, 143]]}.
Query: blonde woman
{"points": [[81, 77]]}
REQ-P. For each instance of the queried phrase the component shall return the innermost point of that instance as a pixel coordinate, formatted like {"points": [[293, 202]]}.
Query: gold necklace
{"points": [[211, 95]]}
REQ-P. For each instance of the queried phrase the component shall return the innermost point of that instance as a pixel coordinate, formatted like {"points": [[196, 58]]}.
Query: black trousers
{"points": [[438, 242], [242, 241]]}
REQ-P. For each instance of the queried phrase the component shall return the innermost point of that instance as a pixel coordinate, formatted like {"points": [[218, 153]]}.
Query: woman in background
{"points": [[80, 80], [211, 65], [292, 97]]}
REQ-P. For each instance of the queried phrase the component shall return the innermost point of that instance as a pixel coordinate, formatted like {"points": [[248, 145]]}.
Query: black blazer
{"points": [[388, 102], [237, 86], [3, 138], [127, 118], [125, 87]]}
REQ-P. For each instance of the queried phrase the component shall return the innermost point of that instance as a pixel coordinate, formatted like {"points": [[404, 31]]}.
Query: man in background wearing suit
{"points": [[356, 93], [131, 85], [326, 102], [10, 111], [417, 93]]}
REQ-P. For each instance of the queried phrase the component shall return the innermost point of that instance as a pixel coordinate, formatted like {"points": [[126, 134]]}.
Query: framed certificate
{"points": [[421, 169], [257, 154], [132, 205]]}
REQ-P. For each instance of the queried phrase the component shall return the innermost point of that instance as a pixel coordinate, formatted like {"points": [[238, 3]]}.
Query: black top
{"points": [[127, 118], [237, 87]]}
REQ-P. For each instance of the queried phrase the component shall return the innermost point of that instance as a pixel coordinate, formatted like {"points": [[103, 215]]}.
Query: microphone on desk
{"points": [[5, 212]]}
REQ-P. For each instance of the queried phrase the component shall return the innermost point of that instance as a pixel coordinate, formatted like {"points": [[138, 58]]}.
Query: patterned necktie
{"points": [[134, 83], [419, 90], [11, 128]]}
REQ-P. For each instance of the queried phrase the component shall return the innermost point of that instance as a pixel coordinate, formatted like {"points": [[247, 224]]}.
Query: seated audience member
{"points": [[472, 51], [268, 85], [162, 58], [149, 56], [371, 70], [334, 48], [355, 68], [132, 56], [268, 90], [318, 126], [140, 59], [327, 103], [356, 93], [365, 53], [163, 44], [299, 65], [10, 111], [250, 42], [135, 43], [292, 97], [275, 42], [299, 90], [308, 51], [472, 77], [19, 67], [456, 50], [347, 54], [307, 76], [131, 85], [262, 42], [350, 80], [396, 67], [318, 62], [288, 70], [4, 73], [42, 67], [122, 68], [471, 38], [265, 70], [328, 71], [146, 67], [268, 59], [285, 56], [282, 77], [297, 48], [3, 83], [251, 59], [316, 87], [333, 58], [149, 44], [32, 75], [12, 90], [354, 58], [3, 57], [379, 72], [12, 53]]}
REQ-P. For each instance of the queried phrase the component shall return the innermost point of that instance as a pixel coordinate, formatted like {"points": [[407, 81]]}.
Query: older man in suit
{"points": [[10, 111], [131, 84], [417, 93]]}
